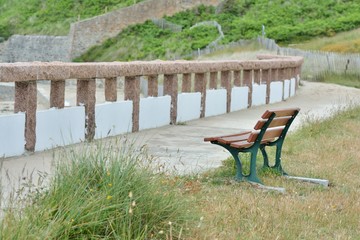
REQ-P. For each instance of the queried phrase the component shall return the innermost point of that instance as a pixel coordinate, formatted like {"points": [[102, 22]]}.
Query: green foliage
{"points": [[285, 21], [51, 17], [100, 192]]}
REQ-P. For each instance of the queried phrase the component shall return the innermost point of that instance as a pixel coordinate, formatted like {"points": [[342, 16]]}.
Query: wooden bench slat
{"points": [[280, 112], [211, 139], [241, 144], [269, 134], [237, 138], [276, 122]]}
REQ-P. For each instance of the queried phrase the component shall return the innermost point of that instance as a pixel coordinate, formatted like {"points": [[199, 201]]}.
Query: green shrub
{"points": [[101, 192]]}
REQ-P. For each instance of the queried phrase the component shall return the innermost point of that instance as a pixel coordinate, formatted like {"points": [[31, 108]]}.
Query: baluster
{"points": [[111, 89], [171, 89], [26, 101], [247, 81], [132, 92], [86, 95], [200, 86]]}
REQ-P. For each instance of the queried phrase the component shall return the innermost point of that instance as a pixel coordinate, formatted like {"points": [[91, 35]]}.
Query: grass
{"points": [[322, 149], [345, 42], [106, 193], [101, 192], [51, 17], [349, 80]]}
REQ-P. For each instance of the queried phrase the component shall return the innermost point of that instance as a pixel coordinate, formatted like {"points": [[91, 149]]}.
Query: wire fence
{"points": [[162, 23], [317, 64]]}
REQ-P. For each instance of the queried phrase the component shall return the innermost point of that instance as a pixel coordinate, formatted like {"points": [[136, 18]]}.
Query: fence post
{"points": [[132, 92], [237, 78], [110, 89], [86, 95], [200, 86], [257, 77], [153, 89], [247, 81], [57, 94], [266, 78], [171, 88], [226, 83], [213, 80], [186, 82], [26, 101]]}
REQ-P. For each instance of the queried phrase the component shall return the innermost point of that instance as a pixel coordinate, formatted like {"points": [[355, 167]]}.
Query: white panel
{"points": [[59, 127], [276, 92], [215, 102], [292, 87], [154, 112], [188, 106], [12, 130], [239, 98], [113, 118], [286, 89], [259, 95]]}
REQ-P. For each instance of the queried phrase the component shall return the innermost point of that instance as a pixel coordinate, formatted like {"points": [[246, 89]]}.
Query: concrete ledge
{"points": [[323, 182], [27, 71]]}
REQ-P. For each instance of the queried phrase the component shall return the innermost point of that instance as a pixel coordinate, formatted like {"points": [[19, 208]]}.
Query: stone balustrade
{"points": [[177, 76]]}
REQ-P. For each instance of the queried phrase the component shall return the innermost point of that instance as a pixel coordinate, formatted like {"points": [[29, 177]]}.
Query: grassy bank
{"points": [[349, 80], [346, 42], [50, 17], [286, 22]]}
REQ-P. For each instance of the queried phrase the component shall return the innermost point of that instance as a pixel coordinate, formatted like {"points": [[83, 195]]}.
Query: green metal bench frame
{"points": [[260, 143]]}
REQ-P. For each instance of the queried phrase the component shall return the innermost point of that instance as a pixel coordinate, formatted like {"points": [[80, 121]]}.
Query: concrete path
{"points": [[181, 148]]}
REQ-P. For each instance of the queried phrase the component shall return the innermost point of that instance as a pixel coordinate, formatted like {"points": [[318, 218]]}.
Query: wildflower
{"points": [[130, 211], [133, 203], [130, 194], [110, 184], [108, 173], [161, 232], [170, 223], [109, 197]]}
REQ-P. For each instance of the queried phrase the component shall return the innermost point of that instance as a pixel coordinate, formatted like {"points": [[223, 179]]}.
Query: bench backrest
{"points": [[273, 125]]}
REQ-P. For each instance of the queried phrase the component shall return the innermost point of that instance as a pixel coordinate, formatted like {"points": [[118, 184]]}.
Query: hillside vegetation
{"points": [[288, 21], [346, 42], [50, 17]]}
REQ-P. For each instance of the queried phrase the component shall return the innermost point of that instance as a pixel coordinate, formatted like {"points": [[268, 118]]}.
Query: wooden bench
{"points": [[270, 130]]}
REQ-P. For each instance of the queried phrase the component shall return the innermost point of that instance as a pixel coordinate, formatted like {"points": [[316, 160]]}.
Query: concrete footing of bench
{"points": [[269, 188], [323, 182]]}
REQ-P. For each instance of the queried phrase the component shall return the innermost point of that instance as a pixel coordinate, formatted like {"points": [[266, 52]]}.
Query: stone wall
{"points": [[87, 33], [3, 49], [94, 31], [37, 48]]}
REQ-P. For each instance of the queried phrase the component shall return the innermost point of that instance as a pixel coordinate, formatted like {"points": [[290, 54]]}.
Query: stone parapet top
{"points": [[30, 71]]}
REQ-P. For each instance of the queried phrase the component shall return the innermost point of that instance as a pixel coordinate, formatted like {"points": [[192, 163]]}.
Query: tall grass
{"points": [[100, 192]]}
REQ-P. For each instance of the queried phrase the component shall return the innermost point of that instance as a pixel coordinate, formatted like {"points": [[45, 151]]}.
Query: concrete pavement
{"points": [[180, 148]]}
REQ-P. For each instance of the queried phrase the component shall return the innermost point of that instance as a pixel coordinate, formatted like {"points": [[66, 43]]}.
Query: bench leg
{"points": [[239, 175], [253, 175], [277, 165], [265, 157]]}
